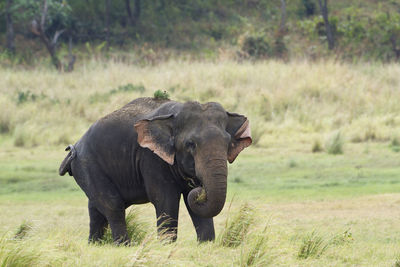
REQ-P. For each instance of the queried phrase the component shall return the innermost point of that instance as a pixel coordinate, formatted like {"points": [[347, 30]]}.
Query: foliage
{"points": [[367, 31], [376, 36], [58, 14], [309, 7], [161, 94], [254, 46]]}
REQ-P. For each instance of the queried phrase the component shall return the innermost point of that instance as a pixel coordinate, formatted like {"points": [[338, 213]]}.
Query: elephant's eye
{"points": [[190, 145]]}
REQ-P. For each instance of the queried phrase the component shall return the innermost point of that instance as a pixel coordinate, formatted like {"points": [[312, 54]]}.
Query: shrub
{"points": [[395, 144], [306, 8], [316, 147], [20, 138], [22, 230], [334, 145], [292, 163], [236, 229], [313, 245], [397, 262], [6, 116], [237, 180], [342, 238], [27, 96], [255, 46]]}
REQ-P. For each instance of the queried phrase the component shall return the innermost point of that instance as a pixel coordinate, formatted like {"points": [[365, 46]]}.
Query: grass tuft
{"points": [[18, 254], [292, 163], [397, 262], [334, 145], [313, 245], [316, 147], [255, 254], [23, 230], [236, 229], [137, 230], [342, 238], [161, 94], [20, 138], [395, 144]]}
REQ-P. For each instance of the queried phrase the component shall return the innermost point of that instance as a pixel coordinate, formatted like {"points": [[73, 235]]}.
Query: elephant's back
{"points": [[135, 109], [116, 130], [110, 143]]}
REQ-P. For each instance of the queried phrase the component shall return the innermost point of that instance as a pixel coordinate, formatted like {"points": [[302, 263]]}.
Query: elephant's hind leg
{"points": [[116, 218], [98, 223]]}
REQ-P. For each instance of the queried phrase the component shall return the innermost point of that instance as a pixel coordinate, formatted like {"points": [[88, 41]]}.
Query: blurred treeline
{"points": [[240, 29]]}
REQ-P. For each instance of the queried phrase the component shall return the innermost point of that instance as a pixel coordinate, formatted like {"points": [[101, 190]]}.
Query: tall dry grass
{"points": [[286, 102]]}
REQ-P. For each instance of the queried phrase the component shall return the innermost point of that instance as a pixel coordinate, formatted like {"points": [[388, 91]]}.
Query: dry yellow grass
{"points": [[297, 101]]}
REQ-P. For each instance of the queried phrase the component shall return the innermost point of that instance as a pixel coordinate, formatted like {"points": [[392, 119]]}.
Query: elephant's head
{"points": [[199, 139]]}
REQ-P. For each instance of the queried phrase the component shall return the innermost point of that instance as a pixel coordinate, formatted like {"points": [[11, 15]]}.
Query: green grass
{"points": [[326, 193], [236, 228], [313, 245]]}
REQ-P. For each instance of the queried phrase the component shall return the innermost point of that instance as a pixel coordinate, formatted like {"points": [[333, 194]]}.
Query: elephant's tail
{"points": [[66, 163]]}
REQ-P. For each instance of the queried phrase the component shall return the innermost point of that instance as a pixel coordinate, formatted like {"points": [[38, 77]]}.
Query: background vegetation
{"points": [[149, 31]]}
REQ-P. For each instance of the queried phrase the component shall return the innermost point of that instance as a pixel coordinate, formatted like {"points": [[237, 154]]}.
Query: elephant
{"points": [[155, 150]]}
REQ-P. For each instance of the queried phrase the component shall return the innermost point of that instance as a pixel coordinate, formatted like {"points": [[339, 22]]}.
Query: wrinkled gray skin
{"points": [[155, 151]]}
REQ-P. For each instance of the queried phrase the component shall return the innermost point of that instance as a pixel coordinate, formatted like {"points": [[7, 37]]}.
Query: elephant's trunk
{"points": [[207, 201]]}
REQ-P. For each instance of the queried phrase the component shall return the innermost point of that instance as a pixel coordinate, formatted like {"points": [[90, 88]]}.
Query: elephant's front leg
{"points": [[204, 226], [167, 210]]}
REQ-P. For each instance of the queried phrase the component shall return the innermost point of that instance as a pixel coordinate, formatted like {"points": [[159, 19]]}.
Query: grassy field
{"points": [[338, 206]]}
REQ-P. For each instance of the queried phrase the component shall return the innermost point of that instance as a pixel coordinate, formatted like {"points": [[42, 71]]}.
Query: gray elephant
{"points": [[155, 150]]}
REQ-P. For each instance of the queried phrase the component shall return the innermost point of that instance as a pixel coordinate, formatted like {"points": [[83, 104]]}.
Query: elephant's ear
{"points": [[239, 128], [156, 134]]}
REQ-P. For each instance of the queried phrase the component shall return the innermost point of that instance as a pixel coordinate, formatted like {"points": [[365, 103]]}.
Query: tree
{"points": [[107, 21], [282, 25], [280, 48], [309, 7], [10, 36], [39, 28], [133, 17], [329, 35], [48, 20]]}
